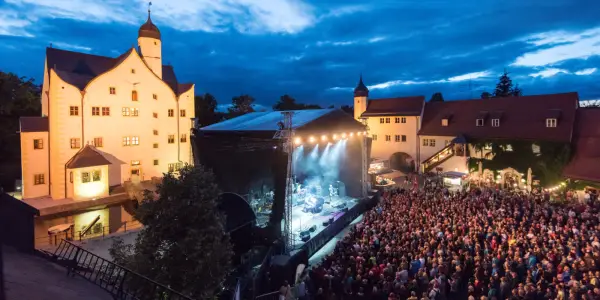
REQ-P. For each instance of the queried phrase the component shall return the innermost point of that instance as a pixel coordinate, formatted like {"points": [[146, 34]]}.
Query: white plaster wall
{"points": [[186, 102], [34, 161], [152, 51], [428, 151], [384, 149], [93, 189], [360, 106]]}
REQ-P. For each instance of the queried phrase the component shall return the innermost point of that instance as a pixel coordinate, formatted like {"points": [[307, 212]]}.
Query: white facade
{"points": [[134, 118]]}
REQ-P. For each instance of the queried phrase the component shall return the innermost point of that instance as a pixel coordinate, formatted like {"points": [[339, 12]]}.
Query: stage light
{"points": [[335, 137], [298, 141], [311, 139], [351, 134], [364, 132], [343, 135], [324, 138]]}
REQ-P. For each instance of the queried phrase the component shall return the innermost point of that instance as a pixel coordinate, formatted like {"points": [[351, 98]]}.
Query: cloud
{"points": [[377, 39], [560, 46], [548, 73], [586, 71], [71, 46], [12, 24], [470, 76], [392, 83]]}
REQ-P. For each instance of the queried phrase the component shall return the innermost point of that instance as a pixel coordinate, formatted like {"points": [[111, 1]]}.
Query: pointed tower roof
{"points": [[361, 89], [148, 29]]}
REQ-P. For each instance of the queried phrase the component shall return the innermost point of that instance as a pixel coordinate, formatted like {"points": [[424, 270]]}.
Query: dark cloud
{"points": [[419, 41]]}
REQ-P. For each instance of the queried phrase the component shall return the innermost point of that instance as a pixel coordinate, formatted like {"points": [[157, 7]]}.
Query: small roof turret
{"points": [[148, 29], [361, 89]]}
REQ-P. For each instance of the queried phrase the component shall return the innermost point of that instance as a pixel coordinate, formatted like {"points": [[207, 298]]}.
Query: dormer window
{"points": [[495, 122], [479, 122], [444, 122], [551, 122]]}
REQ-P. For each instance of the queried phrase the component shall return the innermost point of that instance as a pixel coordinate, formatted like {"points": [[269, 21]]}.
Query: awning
{"points": [[453, 174]]}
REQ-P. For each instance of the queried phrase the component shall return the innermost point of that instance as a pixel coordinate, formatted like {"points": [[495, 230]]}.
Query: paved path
{"points": [[28, 277]]}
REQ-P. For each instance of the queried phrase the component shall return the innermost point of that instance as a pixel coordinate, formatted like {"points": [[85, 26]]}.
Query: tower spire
{"points": [[361, 89]]}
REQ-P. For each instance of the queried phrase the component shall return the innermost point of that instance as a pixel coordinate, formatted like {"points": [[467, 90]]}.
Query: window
{"points": [[381, 120], [106, 111], [71, 177], [374, 137], [95, 111], [156, 162], [126, 141], [495, 122], [404, 138], [171, 113], [96, 175], [171, 167], [397, 120], [135, 112], [431, 143], [134, 96], [171, 138], [74, 110], [155, 132], [397, 138], [550, 122], [155, 145], [387, 120], [508, 148], [38, 179], [183, 138], [132, 71], [487, 146], [182, 112], [135, 140], [388, 138], [479, 122], [536, 149], [135, 163], [155, 96], [425, 142], [125, 111], [112, 90], [38, 144], [403, 120], [98, 142], [75, 143], [444, 122], [85, 177], [155, 115]]}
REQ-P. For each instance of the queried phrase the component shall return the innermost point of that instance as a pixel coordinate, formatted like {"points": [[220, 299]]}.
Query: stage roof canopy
{"points": [[302, 119]]}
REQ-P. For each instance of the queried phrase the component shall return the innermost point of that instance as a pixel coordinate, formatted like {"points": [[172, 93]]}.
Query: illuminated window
{"points": [[126, 141], [135, 112], [156, 162], [155, 96], [74, 110], [38, 144], [125, 111], [96, 175], [85, 177], [171, 113], [95, 111], [171, 139], [98, 142], [106, 111], [550, 122], [135, 140], [374, 137], [112, 90], [487, 146], [479, 122], [444, 122], [388, 138], [155, 132], [431, 143], [155, 145], [134, 96], [155, 115], [182, 112], [183, 138], [495, 122], [403, 120], [425, 142], [38, 179], [172, 167], [135, 163], [75, 143]]}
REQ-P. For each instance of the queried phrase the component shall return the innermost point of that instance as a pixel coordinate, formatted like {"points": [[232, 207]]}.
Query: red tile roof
{"points": [[585, 163], [401, 106], [34, 124], [520, 117], [87, 157]]}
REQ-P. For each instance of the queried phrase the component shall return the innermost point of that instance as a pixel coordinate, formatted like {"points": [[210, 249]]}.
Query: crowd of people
{"points": [[431, 243]]}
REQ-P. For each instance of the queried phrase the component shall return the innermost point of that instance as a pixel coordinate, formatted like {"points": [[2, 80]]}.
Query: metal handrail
{"points": [[119, 281]]}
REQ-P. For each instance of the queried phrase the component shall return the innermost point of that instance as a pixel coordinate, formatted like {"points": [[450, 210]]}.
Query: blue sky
{"points": [[315, 50]]}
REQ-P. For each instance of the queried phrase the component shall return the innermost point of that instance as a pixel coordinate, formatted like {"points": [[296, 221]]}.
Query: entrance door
{"points": [[136, 175]]}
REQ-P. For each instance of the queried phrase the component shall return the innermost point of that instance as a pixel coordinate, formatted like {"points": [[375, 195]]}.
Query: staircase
{"points": [[438, 158]]}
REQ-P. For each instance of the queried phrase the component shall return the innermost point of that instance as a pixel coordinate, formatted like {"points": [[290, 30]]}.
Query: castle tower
{"points": [[361, 95], [150, 46]]}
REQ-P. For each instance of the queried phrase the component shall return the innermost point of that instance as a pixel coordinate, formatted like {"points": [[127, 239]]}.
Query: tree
{"points": [[504, 87], [486, 95], [436, 97], [241, 105], [183, 243], [517, 92], [286, 102], [205, 108]]}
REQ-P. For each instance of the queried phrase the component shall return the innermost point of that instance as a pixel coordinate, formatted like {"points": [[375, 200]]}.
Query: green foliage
{"points": [[183, 243], [437, 97], [205, 107], [286, 102], [241, 105], [547, 165], [504, 88]]}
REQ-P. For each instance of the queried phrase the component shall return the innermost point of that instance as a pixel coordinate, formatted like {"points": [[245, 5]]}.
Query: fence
{"points": [[53, 240], [119, 281]]}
